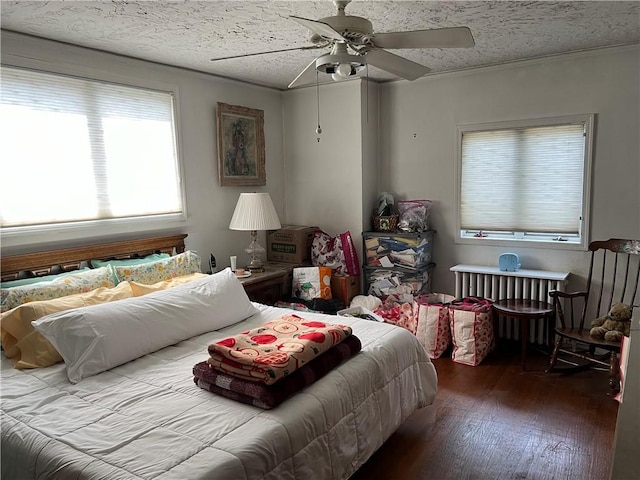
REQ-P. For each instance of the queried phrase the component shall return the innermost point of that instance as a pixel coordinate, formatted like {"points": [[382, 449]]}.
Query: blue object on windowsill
{"points": [[509, 262]]}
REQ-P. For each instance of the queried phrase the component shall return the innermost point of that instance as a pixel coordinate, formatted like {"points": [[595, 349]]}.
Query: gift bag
{"points": [[433, 327], [311, 282], [471, 330], [337, 253]]}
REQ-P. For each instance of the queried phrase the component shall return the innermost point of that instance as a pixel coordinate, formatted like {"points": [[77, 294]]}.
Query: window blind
{"points": [[74, 149], [523, 179]]}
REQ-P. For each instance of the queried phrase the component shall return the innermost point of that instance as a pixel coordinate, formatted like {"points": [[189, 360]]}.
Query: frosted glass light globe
{"points": [[344, 70]]}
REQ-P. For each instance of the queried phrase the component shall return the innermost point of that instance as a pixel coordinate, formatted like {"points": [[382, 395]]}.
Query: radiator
{"points": [[494, 284]]}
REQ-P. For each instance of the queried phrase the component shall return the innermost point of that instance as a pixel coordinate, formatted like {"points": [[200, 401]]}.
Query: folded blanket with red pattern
{"points": [[274, 350], [268, 396]]}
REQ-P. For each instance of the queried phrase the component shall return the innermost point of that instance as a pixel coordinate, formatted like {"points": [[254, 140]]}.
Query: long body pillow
{"points": [[97, 338]]}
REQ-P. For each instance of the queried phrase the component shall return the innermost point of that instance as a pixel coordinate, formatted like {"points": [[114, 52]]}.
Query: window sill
{"points": [[16, 240], [523, 243]]}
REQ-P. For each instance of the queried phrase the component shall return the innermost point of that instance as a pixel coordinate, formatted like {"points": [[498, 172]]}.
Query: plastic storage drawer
{"points": [[409, 250], [383, 282]]}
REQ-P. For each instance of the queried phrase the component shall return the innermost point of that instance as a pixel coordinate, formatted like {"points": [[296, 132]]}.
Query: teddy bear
{"points": [[614, 325]]}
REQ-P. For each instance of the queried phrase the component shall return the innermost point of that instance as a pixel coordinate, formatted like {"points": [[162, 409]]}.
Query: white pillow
{"points": [[96, 338]]}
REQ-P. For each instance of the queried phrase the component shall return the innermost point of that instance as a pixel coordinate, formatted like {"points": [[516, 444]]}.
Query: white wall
{"points": [[209, 206], [370, 127], [324, 178], [417, 144]]}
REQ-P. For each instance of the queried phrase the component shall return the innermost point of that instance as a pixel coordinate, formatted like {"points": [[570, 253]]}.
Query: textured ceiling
{"points": [[190, 33]]}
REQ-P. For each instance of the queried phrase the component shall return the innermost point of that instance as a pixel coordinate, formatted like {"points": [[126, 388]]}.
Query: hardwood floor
{"points": [[496, 422]]}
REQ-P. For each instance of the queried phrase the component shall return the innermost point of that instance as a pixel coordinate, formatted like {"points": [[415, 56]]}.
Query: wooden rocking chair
{"points": [[613, 278]]}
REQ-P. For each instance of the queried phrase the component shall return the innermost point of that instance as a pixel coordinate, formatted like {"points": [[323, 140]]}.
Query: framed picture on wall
{"points": [[240, 145]]}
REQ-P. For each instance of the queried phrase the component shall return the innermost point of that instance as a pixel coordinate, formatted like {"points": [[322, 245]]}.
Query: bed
{"points": [[146, 419]]}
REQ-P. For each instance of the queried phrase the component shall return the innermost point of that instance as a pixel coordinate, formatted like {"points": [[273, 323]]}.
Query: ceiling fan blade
{"points": [[310, 47], [308, 75], [395, 64], [323, 29], [455, 37]]}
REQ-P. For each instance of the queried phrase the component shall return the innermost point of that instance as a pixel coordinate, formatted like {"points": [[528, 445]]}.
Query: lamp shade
{"points": [[254, 211]]}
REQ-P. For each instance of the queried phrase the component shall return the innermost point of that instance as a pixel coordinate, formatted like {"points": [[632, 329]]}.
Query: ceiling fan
{"points": [[354, 45]]}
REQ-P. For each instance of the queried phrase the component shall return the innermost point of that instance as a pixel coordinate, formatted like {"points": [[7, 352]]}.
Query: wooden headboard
{"points": [[42, 263]]}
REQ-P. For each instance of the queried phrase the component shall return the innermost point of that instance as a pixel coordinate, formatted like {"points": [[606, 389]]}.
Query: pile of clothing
{"points": [[266, 365]]}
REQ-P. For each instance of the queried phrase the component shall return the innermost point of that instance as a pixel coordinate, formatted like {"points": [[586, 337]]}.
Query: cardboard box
{"points": [[290, 244], [345, 287]]}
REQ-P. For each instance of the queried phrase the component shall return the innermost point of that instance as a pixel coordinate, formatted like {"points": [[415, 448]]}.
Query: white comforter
{"points": [[147, 419]]}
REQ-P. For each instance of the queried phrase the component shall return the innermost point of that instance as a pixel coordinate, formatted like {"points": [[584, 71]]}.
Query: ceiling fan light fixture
{"points": [[354, 46], [340, 66]]}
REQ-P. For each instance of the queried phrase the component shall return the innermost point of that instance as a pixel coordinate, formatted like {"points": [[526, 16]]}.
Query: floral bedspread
{"points": [[270, 352]]}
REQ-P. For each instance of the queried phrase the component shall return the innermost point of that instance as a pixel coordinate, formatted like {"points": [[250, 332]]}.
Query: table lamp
{"points": [[255, 211]]}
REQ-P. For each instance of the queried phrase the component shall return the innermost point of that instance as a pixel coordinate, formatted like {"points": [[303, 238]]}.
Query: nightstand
{"points": [[271, 285]]}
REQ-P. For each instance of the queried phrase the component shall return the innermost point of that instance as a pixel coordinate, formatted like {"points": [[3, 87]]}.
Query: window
{"points": [[76, 150], [525, 181]]}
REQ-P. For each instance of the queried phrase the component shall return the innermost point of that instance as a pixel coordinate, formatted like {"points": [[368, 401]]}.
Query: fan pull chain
{"points": [[318, 129]]}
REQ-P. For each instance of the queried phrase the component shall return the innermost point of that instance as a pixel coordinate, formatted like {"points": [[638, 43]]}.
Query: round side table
{"points": [[526, 310]]}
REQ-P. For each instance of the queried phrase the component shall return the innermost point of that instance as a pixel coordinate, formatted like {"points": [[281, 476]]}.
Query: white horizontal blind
{"points": [[73, 149], [523, 179]]}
